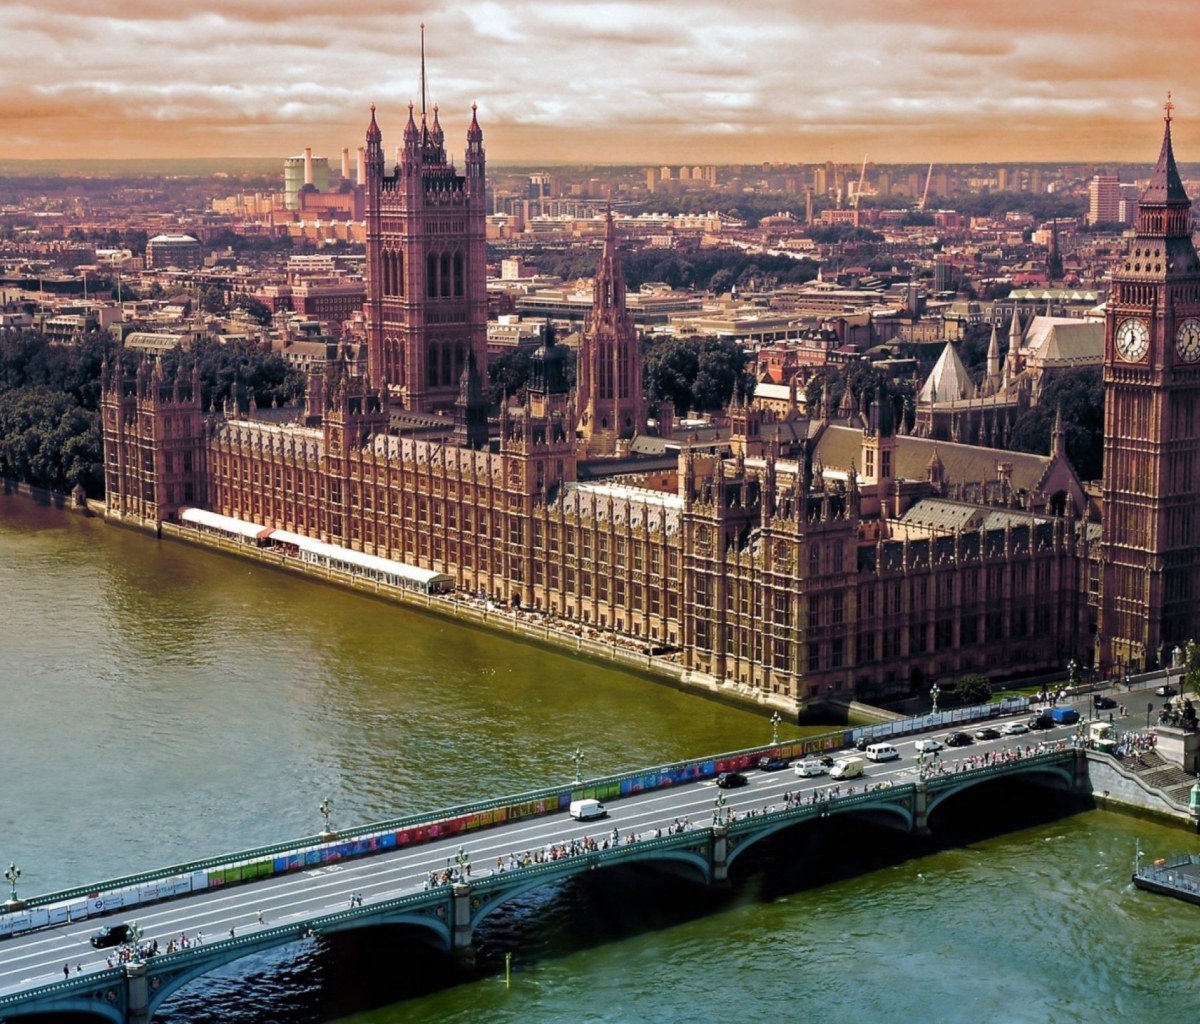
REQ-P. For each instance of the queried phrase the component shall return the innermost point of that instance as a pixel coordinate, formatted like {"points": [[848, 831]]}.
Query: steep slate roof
{"points": [[1061, 341], [943, 514], [949, 380], [838, 447]]}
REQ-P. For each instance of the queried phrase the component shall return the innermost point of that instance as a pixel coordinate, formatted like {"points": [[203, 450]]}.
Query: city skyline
{"points": [[600, 82]]}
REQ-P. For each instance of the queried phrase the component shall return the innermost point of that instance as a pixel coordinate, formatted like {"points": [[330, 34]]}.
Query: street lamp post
{"points": [[719, 813], [463, 860], [577, 758], [11, 874], [327, 832], [935, 692], [775, 720], [921, 765], [135, 940]]}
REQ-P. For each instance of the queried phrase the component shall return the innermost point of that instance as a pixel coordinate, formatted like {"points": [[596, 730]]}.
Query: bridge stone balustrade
{"points": [[449, 914]]}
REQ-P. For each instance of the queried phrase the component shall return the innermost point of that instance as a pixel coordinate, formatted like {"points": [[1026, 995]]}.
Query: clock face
{"points": [[1133, 339], [1187, 340]]}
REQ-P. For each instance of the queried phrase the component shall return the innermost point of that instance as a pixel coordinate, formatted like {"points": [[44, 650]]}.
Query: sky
{"points": [[641, 82]]}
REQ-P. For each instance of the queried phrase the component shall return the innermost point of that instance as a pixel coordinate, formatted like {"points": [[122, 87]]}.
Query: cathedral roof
{"points": [[949, 380], [1059, 341]]}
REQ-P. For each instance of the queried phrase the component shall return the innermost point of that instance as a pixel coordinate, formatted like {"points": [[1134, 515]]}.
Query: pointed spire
{"points": [[1058, 442], [436, 134], [373, 132], [1165, 184], [410, 129], [474, 132], [1014, 331], [993, 353], [422, 73], [609, 289]]}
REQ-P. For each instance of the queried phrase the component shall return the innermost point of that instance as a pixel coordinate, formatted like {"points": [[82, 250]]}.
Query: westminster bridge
{"points": [[443, 873]]}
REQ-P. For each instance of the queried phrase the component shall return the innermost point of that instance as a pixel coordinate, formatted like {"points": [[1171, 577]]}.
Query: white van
{"points": [[847, 768], [810, 768], [882, 752], [586, 810]]}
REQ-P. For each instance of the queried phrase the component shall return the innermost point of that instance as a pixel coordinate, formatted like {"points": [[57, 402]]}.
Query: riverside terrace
{"points": [[678, 826]]}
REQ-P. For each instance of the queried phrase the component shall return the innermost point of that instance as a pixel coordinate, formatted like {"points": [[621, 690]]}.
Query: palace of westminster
{"points": [[799, 556]]}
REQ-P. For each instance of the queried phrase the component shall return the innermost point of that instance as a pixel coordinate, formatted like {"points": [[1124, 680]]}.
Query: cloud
{"points": [[620, 80]]}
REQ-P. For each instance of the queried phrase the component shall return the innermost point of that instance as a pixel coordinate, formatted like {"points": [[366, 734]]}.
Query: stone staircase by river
{"points": [[1155, 771]]}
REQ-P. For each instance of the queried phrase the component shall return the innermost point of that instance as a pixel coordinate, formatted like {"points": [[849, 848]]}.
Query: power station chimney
{"points": [[362, 165], [345, 163], [308, 165]]}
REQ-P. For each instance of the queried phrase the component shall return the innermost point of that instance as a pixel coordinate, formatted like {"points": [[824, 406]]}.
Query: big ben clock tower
{"points": [[1151, 516]]}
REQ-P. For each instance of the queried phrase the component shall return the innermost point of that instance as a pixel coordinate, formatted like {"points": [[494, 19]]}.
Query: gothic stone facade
{"points": [[759, 569]]}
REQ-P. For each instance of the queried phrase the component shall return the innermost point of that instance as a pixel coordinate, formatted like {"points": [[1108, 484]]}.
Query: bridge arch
{"points": [[491, 899], [84, 1004], [885, 805], [1059, 772], [169, 979]]}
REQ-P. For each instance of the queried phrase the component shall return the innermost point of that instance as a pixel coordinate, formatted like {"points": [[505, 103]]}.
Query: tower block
{"points": [[426, 262]]}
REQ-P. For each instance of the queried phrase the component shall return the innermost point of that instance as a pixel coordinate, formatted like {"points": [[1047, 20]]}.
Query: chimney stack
{"points": [[308, 165], [345, 163], [362, 165]]}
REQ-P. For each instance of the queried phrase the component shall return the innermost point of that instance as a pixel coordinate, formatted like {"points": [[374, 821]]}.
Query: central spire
{"points": [[422, 71]]}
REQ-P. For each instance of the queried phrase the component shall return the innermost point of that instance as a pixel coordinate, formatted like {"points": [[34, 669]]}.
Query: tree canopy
{"points": [[50, 398], [1080, 395], [695, 373], [712, 269]]}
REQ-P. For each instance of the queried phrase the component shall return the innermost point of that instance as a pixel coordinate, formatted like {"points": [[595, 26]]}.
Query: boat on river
{"points": [[1177, 876]]}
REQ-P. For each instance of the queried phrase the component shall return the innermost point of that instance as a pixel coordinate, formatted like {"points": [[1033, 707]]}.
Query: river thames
{"points": [[162, 703]]}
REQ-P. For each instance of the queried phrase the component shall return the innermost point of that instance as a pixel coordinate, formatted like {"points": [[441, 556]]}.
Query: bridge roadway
{"points": [[35, 959]]}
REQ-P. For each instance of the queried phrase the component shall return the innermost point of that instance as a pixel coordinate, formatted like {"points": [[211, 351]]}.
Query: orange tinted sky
{"points": [[643, 81]]}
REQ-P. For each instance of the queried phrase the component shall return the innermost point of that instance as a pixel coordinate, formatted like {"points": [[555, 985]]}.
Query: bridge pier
{"points": [[719, 855], [920, 826], [461, 934], [137, 995], [1081, 781]]}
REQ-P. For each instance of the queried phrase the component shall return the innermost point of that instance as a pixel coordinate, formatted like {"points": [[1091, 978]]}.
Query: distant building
{"points": [[1104, 199], [182, 251]]}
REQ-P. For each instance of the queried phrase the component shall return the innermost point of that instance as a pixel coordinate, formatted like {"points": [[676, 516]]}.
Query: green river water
{"points": [[162, 702]]}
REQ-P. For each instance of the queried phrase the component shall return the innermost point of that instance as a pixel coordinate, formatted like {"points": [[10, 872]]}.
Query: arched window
{"points": [[446, 358], [459, 361], [445, 289], [814, 561], [431, 268], [431, 363], [458, 274], [398, 273]]}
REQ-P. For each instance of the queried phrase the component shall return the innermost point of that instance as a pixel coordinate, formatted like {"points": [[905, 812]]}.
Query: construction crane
{"points": [[925, 194], [862, 175]]}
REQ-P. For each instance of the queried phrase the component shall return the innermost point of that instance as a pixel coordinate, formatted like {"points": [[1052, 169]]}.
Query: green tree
{"points": [[48, 441], [213, 301], [256, 309], [509, 373], [1080, 395], [695, 373], [973, 689]]}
